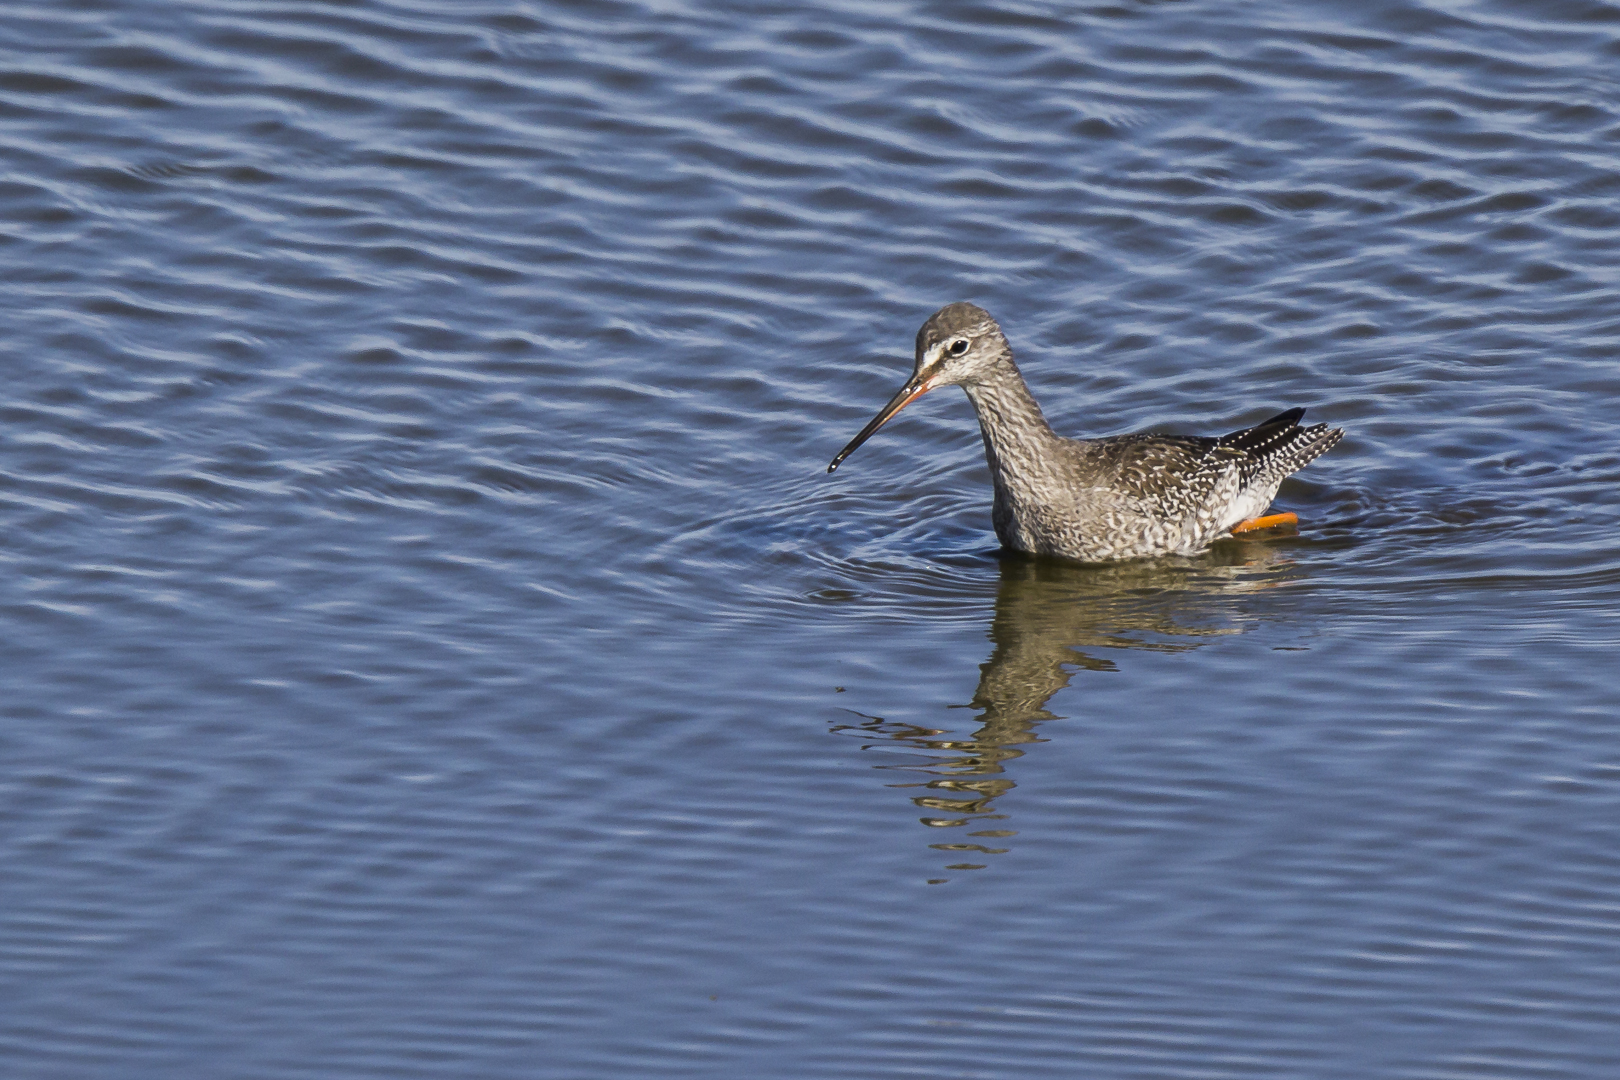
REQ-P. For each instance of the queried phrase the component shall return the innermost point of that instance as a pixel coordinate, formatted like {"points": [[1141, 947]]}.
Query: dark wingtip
{"points": [[1292, 416]]}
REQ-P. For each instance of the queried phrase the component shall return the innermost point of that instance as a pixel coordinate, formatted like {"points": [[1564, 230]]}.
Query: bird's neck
{"points": [[1016, 435]]}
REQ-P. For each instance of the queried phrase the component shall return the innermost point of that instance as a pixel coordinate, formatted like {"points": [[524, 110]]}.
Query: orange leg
{"points": [[1270, 521]]}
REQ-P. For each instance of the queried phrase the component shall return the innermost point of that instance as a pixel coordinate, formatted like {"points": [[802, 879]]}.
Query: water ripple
{"points": [[433, 630]]}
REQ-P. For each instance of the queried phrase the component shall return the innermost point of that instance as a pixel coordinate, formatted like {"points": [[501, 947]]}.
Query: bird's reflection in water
{"points": [[1052, 618]]}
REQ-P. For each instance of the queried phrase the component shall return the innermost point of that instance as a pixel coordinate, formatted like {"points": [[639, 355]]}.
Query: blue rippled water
{"points": [[433, 646]]}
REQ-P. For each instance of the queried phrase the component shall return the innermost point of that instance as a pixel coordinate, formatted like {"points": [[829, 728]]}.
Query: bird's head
{"points": [[960, 344]]}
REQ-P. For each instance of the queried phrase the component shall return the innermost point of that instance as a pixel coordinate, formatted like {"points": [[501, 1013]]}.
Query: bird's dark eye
{"points": [[957, 347]]}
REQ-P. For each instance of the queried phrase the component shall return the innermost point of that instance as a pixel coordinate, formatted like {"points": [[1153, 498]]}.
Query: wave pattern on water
{"points": [[430, 630]]}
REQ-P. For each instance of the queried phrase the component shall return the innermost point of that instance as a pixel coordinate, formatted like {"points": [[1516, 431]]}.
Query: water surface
{"points": [[433, 647]]}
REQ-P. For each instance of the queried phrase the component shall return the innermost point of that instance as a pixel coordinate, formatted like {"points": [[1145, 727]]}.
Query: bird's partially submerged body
{"points": [[1098, 500]]}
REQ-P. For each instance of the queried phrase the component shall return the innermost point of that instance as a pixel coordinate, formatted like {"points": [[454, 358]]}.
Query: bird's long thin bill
{"points": [[908, 393]]}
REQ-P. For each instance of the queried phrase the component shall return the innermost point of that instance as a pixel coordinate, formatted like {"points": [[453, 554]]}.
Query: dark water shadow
{"points": [[1052, 620]]}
